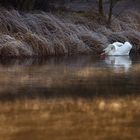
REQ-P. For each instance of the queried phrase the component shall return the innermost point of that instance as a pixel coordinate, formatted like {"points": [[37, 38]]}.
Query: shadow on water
{"points": [[77, 76], [65, 60]]}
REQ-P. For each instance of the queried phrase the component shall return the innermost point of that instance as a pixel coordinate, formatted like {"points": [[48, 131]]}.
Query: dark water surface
{"points": [[81, 76], [77, 98]]}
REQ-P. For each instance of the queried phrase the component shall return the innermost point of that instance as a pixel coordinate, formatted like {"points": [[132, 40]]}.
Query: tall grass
{"points": [[43, 34]]}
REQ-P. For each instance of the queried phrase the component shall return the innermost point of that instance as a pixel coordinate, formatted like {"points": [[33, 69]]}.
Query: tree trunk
{"points": [[110, 12], [101, 10]]}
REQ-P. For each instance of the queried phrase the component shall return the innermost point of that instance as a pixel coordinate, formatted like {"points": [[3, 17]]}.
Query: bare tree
{"points": [[100, 7], [110, 11], [112, 3]]}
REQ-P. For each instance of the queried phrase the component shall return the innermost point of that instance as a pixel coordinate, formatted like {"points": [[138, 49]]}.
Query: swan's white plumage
{"points": [[118, 48]]}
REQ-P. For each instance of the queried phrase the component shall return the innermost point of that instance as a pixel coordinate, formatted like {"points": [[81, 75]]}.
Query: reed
{"points": [[44, 34]]}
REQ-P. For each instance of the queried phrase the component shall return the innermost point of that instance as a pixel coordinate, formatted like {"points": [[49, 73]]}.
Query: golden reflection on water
{"points": [[71, 119], [75, 99]]}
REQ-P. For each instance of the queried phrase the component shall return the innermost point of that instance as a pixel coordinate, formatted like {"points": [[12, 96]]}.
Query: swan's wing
{"points": [[118, 44], [125, 49], [128, 45]]}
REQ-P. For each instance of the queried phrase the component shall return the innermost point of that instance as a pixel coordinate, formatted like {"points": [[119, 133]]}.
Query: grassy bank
{"points": [[43, 34]]}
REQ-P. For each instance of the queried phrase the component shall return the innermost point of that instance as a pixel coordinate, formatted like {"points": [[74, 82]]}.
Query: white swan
{"points": [[118, 48]]}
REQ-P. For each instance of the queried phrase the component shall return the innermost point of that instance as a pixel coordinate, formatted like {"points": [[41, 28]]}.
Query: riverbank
{"points": [[43, 34]]}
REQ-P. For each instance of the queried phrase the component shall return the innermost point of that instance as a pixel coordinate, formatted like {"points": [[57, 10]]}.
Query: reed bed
{"points": [[43, 34]]}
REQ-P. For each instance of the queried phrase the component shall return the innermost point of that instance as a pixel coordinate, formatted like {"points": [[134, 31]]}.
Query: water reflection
{"points": [[77, 76], [74, 61], [119, 63], [49, 98]]}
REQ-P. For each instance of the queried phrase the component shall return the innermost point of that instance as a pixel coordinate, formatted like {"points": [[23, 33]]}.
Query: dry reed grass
{"points": [[43, 34]]}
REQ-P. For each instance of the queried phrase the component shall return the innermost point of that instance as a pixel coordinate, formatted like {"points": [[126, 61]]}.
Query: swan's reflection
{"points": [[119, 63]]}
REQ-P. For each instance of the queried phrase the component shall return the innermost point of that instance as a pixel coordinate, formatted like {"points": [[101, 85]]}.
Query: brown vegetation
{"points": [[43, 34]]}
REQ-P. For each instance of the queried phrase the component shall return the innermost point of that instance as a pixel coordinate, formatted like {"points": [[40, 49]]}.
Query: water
{"points": [[64, 76], [77, 97]]}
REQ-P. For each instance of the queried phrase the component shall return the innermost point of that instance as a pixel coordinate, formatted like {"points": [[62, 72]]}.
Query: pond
{"points": [[75, 97]]}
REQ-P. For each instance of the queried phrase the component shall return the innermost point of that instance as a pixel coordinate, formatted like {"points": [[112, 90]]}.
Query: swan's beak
{"points": [[103, 55]]}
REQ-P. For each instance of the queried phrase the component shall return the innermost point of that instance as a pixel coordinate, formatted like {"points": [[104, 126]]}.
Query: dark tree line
{"points": [[31, 4], [46, 5], [26, 4], [112, 3]]}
